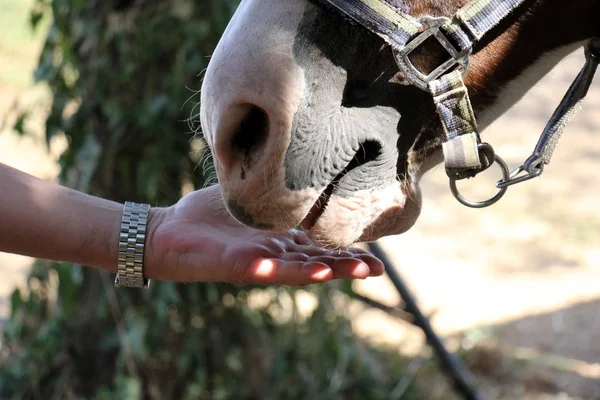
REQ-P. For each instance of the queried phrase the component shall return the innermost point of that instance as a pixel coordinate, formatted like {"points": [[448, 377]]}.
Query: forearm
{"points": [[44, 220]]}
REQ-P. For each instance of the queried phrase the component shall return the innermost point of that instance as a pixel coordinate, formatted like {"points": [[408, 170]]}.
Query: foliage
{"points": [[217, 347], [118, 72], [119, 79]]}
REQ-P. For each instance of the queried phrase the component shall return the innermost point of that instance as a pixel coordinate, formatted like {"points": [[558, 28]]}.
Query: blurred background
{"points": [[103, 96]]}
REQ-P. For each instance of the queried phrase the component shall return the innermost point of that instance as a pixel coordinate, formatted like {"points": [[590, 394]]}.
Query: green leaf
{"points": [[16, 302], [35, 18], [19, 125]]}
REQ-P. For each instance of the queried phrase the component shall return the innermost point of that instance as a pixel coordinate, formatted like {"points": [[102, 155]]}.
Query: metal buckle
{"points": [[416, 77]]}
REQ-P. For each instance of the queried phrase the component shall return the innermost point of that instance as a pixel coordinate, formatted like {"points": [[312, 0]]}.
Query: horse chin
{"points": [[367, 216]]}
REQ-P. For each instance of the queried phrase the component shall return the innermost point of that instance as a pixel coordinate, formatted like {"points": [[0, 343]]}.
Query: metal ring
{"points": [[486, 203]]}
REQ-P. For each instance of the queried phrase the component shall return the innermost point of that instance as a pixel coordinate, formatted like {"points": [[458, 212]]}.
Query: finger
{"points": [[375, 264], [342, 253], [277, 244], [357, 251], [300, 237], [293, 273], [311, 251], [286, 241], [293, 257], [344, 268]]}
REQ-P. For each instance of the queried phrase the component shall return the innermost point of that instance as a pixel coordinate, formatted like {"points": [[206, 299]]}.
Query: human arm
{"points": [[194, 240], [41, 219]]}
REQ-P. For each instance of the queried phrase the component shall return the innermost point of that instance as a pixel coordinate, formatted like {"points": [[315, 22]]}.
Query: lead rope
{"points": [[566, 110]]}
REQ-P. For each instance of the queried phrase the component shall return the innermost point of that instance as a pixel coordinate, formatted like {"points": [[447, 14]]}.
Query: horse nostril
{"points": [[250, 136]]}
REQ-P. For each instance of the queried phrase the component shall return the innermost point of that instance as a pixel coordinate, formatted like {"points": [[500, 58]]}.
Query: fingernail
{"points": [[323, 274], [362, 271]]}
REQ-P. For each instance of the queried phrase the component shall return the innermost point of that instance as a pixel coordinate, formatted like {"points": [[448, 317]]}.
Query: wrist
{"points": [[153, 263]]}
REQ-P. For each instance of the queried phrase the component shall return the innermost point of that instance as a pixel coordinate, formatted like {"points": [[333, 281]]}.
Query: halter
{"points": [[465, 155]]}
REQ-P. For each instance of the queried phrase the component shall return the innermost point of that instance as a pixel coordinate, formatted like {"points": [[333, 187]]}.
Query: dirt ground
{"points": [[518, 282], [516, 286]]}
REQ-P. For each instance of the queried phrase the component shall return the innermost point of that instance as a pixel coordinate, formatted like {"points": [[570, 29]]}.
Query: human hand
{"points": [[197, 240]]}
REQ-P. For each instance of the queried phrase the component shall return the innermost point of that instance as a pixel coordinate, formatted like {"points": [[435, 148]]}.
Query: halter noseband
{"points": [[464, 154]]}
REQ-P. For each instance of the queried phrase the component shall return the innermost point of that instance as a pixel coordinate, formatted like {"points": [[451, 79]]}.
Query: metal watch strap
{"points": [[132, 240]]}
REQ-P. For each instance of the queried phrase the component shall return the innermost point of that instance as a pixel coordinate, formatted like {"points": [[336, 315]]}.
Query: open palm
{"points": [[197, 240]]}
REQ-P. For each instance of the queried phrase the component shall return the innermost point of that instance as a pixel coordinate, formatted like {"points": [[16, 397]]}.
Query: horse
{"points": [[311, 122]]}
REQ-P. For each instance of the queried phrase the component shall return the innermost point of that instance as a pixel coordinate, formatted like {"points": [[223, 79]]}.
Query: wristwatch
{"points": [[132, 240]]}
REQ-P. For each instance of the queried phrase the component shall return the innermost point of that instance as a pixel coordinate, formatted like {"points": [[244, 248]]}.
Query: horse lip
{"points": [[323, 200], [318, 208]]}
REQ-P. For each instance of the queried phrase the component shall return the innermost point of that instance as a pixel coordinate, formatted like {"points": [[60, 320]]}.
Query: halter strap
{"points": [[458, 121], [396, 28], [470, 24], [405, 33], [464, 154], [481, 16]]}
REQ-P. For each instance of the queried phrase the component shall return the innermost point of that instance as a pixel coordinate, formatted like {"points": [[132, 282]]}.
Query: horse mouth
{"points": [[367, 152], [318, 208]]}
